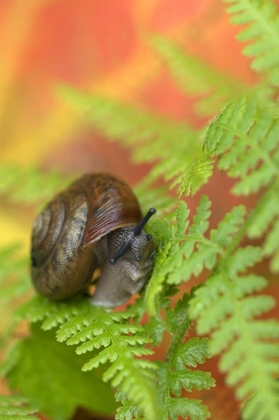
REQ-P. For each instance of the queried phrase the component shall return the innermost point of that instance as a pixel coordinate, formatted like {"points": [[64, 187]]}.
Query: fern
{"points": [[16, 408], [128, 124], [152, 135], [188, 251], [227, 309], [263, 33], [112, 339], [115, 340], [250, 153], [245, 138], [212, 88], [56, 365], [29, 185], [176, 373]]}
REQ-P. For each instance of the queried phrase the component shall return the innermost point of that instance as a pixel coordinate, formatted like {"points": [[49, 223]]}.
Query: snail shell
{"points": [[94, 224]]}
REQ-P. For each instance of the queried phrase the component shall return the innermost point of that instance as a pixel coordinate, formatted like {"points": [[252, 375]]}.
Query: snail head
{"points": [[132, 238]]}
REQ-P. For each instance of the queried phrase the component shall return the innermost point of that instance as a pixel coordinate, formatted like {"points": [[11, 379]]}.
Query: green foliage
{"points": [[14, 278], [213, 89], [109, 338], [227, 309], [14, 285], [177, 374], [263, 31], [29, 185], [66, 388], [16, 408], [101, 349], [246, 138], [151, 134], [186, 251]]}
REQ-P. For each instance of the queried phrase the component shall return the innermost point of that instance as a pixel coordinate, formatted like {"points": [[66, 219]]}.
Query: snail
{"points": [[94, 224]]}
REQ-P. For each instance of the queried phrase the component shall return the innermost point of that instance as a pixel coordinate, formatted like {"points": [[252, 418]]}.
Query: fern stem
{"points": [[182, 327]]}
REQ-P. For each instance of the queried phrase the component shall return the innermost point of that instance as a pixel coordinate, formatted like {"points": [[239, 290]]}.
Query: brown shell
{"points": [[63, 260], [111, 204]]}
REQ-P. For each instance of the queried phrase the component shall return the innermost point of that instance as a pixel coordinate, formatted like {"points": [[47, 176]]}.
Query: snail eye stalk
{"points": [[143, 221], [122, 251]]}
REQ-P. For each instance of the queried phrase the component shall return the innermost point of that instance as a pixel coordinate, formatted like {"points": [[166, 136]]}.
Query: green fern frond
{"points": [[14, 407], [262, 33], [120, 346], [43, 359], [186, 251], [110, 338], [176, 373], [227, 308], [195, 78], [246, 139], [128, 124], [27, 185], [42, 309], [152, 135]]}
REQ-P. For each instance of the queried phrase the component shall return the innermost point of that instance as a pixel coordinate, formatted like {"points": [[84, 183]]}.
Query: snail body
{"points": [[94, 224]]}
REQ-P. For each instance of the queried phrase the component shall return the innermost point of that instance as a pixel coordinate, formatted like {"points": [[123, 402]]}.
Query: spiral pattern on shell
{"points": [[67, 244]]}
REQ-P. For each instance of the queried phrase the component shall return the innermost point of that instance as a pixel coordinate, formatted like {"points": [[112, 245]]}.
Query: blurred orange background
{"points": [[101, 46]]}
